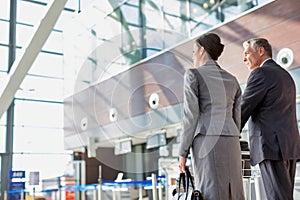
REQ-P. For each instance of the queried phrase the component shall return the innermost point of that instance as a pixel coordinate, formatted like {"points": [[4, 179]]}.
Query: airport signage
{"points": [[34, 178], [15, 190], [16, 174]]}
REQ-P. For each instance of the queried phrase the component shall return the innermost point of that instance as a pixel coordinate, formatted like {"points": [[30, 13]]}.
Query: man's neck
{"points": [[263, 62]]}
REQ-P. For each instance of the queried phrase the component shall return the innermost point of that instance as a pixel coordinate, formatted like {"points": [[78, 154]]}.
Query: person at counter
{"points": [[211, 123]]}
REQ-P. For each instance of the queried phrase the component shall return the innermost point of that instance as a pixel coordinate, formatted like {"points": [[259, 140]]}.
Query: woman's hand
{"points": [[182, 164]]}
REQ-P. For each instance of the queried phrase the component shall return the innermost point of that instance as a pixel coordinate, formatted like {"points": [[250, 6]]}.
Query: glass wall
{"points": [[136, 30]]}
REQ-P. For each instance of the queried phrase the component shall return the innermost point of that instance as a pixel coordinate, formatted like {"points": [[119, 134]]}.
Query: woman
{"points": [[211, 123]]}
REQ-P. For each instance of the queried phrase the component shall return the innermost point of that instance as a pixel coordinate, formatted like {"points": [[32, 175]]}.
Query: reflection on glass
{"points": [[127, 27]]}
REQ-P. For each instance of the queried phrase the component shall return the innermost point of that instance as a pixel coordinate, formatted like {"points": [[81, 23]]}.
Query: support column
{"points": [[6, 162]]}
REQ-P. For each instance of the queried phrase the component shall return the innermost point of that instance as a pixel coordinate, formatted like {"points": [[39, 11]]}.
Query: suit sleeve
{"points": [[253, 95], [190, 112], [237, 108]]}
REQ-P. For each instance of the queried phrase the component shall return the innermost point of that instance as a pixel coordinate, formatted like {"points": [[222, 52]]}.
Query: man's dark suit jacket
{"points": [[269, 100]]}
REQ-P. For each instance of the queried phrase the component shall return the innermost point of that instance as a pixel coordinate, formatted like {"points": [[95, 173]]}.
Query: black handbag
{"points": [[188, 193]]}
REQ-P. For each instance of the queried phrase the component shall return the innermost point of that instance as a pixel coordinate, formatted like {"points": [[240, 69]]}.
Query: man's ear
{"points": [[261, 51]]}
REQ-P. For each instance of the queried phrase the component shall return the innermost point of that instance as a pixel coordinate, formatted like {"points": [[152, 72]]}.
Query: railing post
{"points": [[5, 194], [257, 188], [154, 191], [60, 192], [22, 195], [160, 190], [33, 195], [141, 192], [167, 185], [95, 193], [114, 194], [100, 183]]}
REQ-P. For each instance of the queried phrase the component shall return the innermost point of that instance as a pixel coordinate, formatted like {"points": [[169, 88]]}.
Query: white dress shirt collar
{"points": [[265, 61]]}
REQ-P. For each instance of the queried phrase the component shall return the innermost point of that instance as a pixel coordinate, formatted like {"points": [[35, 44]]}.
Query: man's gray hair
{"points": [[255, 43]]}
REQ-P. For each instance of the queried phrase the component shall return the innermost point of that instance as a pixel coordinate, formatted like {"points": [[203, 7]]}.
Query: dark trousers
{"points": [[278, 178]]}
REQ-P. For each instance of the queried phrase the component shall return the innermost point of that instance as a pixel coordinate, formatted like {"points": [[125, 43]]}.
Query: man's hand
{"points": [[182, 164]]}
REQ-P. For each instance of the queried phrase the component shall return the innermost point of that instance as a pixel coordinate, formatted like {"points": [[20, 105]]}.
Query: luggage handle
{"points": [[186, 178]]}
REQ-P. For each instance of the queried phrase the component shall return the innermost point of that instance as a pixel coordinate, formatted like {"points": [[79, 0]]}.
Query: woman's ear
{"points": [[200, 49]]}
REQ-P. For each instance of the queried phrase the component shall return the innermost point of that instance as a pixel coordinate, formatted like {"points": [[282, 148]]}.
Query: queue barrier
{"points": [[106, 185]]}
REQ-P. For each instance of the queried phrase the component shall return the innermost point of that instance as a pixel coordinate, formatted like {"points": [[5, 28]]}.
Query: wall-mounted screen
{"points": [[156, 140], [123, 147]]}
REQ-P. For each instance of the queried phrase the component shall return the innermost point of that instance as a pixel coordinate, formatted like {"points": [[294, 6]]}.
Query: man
{"points": [[269, 100]]}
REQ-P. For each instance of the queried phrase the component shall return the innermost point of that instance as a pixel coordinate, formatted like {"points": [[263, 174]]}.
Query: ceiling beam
{"points": [[21, 66]]}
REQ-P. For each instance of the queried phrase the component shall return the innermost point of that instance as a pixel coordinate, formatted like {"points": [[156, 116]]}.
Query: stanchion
{"points": [[257, 188], [250, 188], [100, 183], [59, 192], [160, 190], [167, 185], [167, 182], [95, 193], [22, 195], [5, 194], [33, 196], [114, 197], [141, 192], [154, 192]]}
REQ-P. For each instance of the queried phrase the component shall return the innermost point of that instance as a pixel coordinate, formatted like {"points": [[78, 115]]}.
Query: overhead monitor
{"points": [[156, 140], [123, 147]]}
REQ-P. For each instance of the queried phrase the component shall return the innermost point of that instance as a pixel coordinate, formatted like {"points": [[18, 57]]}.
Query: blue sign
{"points": [[16, 174], [15, 189]]}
